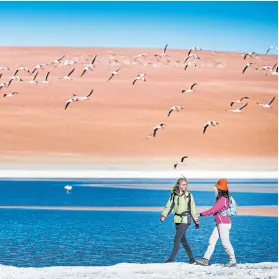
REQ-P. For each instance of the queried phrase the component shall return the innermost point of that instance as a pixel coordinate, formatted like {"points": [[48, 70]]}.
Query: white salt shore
{"points": [[144, 271], [208, 174]]}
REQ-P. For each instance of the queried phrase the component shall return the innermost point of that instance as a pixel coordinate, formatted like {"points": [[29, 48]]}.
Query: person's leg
{"points": [[224, 231], [211, 244], [186, 245], [180, 230]]}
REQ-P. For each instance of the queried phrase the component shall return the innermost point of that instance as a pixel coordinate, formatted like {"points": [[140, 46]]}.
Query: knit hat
{"points": [[222, 184]]}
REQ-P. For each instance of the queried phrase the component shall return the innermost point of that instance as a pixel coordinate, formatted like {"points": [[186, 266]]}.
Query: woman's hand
{"points": [[162, 218]]}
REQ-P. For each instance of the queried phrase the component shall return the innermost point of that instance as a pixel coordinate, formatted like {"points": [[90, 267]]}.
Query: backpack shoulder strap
{"points": [[189, 201]]}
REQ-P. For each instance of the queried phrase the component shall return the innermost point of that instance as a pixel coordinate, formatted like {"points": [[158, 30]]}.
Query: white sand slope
{"points": [[144, 271]]}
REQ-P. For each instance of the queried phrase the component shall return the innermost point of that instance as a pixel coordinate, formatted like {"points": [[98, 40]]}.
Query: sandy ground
{"points": [[241, 210], [111, 128]]}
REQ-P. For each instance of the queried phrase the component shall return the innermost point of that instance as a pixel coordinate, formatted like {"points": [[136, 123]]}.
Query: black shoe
{"points": [[168, 261], [192, 262]]}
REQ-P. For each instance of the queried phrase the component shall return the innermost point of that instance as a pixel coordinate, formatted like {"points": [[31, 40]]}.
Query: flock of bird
{"points": [[270, 69]]}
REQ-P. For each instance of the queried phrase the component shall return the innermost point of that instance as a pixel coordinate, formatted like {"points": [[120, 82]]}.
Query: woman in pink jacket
{"points": [[222, 227]]}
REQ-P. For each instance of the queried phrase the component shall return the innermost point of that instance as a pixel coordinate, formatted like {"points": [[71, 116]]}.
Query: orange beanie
{"points": [[222, 184]]}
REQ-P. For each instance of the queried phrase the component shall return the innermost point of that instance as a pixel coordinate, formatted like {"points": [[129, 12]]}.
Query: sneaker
{"points": [[192, 262], [203, 262], [168, 261], [230, 264]]}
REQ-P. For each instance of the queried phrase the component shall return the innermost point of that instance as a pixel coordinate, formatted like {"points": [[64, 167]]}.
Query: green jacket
{"points": [[180, 204]]}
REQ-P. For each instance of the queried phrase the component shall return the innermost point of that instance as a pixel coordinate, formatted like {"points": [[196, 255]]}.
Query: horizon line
{"points": [[127, 47]]}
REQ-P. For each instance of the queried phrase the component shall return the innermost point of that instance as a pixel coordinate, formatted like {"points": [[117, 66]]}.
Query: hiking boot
{"points": [[230, 264], [203, 262], [192, 261], [168, 261]]}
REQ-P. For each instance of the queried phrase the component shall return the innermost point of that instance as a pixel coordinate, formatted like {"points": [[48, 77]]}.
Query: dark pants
{"points": [[180, 236]]}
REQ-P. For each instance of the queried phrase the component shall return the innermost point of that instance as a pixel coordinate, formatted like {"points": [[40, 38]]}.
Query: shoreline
{"points": [[271, 188], [144, 271], [202, 174], [268, 211]]}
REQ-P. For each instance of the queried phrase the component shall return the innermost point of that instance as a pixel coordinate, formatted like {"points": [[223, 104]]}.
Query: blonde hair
{"points": [[178, 182]]}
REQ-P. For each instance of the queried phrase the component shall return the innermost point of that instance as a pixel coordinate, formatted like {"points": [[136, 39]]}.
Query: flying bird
{"points": [[248, 54], [113, 73], [34, 81], [165, 49], [94, 59], [209, 123], [87, 68], [68, 76], [275, 73], [4, 84], [180, 162], [238, 110], [191, 55], [155, 129], [37, 67], [164, 53], [247, 65], [57, 61], [189, 52], [193, 48], [45, 80], [14, 77], [176, 108], [10, 94], [267, 105], [76, 98], [68, 188], [271, 47], [23, 69], [189, 90], [68, 62], [138, 77], [239, 101]]}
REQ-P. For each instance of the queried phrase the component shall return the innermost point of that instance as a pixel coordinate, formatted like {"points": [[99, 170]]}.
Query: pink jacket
{"points": [[220, 205]]}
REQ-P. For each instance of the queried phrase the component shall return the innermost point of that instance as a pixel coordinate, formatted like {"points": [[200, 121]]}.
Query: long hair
{"points": [[175, 187], [223, 193]]}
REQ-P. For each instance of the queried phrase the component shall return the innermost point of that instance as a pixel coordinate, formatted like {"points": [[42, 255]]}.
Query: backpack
{"points": [[231, 210]]}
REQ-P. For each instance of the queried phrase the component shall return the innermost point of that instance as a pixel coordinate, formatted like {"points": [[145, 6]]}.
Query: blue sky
{"points": [[221, 25]]}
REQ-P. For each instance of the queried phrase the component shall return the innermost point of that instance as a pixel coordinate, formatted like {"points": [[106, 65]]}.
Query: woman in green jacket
{"points": [[183, 204]]}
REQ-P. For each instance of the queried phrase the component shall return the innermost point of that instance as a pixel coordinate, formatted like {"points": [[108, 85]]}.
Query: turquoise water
{"points": [[51, 193], [38, 238]]}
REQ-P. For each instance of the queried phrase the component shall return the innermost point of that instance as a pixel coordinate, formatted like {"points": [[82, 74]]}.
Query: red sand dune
{"points": [[112, 126]]}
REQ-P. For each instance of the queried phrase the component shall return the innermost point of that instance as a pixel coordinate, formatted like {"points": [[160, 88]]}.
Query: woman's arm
{"points": [[169, 206], [215, 208], [193, 210]]}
